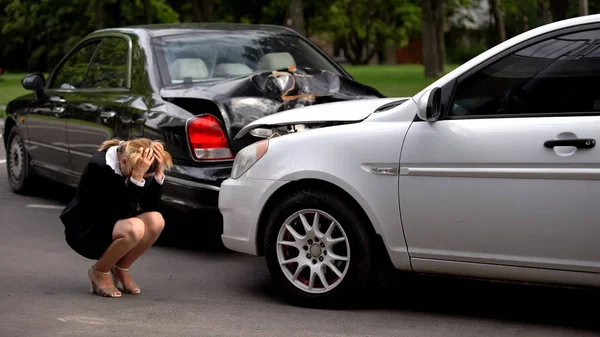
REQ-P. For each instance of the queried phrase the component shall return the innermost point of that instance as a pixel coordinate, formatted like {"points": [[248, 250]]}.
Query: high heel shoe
{"points": [[95, 289], [131, 288]]}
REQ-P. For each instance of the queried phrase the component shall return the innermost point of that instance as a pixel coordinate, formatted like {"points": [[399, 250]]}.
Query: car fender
{"points": [[360, 158], [11, 120]]}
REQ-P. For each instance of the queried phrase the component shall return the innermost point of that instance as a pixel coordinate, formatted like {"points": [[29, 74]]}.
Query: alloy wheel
{"points": [[16, 158], [313, 251]]}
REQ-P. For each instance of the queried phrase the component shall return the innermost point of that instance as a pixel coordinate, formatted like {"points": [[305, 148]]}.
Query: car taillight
{"points": [[207, 139]]}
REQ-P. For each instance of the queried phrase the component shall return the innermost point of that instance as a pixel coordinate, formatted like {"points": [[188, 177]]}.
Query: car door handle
{"points": [[580, 143]]}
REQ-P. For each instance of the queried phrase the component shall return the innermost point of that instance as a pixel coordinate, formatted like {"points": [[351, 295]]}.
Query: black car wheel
{"points": [[317, 249], [17, 162]]}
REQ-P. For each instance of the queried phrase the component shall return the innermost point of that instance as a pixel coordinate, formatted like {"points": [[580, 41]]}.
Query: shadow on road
{"points": [[53, 193], [531, 304], [551, 306]]}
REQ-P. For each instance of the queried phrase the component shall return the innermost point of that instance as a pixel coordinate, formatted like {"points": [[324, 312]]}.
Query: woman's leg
{"points": [[126, 235], [153, 226]]}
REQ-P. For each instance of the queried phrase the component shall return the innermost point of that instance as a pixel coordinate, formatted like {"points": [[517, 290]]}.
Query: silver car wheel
{"points": [[313, 251]]}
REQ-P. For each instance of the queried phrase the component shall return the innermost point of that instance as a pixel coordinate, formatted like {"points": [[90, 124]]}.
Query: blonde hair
{"points": [[130, 149]]}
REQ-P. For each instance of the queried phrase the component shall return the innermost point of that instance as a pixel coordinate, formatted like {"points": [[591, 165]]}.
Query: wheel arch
{"points": [[313, 184], [9, 123]]}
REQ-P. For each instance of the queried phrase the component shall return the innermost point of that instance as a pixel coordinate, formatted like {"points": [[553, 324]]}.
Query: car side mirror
{"points": [[430, 105], [35, 82]]}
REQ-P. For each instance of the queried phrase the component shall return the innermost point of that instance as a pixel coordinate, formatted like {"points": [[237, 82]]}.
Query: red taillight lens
{"points": [[207, 139]]}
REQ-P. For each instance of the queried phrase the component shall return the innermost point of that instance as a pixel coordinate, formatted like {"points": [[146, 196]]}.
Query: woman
{"points": [[113, 217]]}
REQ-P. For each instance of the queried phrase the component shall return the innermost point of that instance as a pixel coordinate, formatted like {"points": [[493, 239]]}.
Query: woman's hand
{"points": [[142, 165], [158, 155]]}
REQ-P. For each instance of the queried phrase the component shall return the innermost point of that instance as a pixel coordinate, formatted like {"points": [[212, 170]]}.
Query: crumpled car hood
{"points": [[340, 112], [244, 100]]}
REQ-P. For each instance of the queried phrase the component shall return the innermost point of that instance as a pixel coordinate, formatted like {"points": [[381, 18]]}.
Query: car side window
{"points": [[71, 73], [554, 76], [108, 69]]}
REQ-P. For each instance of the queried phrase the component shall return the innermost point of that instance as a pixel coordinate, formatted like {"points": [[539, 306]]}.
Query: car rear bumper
{"points": [[241, 202], [191, 195]]}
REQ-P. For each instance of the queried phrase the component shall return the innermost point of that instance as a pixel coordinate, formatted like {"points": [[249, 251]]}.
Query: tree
{"points": [[432, 36], [498, 13], [583, 7], [365, 27], [546, 14], [440, 39], [202, 10], [99, 20], [45, 30], [296, 16], [148, 11], [559, 9]]}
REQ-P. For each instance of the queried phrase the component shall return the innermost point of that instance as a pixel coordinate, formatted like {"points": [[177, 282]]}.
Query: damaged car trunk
{"points": [[240, 101]]}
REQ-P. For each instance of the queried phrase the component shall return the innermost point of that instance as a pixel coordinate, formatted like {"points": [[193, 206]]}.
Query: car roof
{"points": [[166, 29]]}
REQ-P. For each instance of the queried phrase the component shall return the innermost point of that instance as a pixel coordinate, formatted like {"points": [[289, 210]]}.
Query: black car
{"points": [[192, 85]]}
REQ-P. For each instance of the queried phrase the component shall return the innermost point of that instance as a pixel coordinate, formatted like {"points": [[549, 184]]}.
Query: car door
{"points": [[95, 111], [511, 174], [47, 119]]}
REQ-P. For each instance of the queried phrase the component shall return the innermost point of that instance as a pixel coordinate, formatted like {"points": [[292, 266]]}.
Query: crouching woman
{"points": [[113, 217]]}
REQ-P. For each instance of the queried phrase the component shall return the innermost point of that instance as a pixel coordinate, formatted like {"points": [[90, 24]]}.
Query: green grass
{"points": [[390, 80], [10, 88], [393, 80]]}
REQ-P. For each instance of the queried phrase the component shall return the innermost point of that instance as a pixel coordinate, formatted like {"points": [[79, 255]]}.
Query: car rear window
{"points": [[209, 57]]}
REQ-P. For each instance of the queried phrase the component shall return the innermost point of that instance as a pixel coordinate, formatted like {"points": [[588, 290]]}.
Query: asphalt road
{"points": [[44, 292]]}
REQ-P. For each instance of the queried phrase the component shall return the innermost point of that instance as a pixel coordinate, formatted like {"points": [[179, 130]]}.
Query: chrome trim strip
{"points": [[383, 169], [83, 154], [188, 183], [506, 173], [54, 168], [57, 148]]}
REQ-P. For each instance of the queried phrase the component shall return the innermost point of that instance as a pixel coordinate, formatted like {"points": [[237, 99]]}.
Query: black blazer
{"points": [[103, 197]]}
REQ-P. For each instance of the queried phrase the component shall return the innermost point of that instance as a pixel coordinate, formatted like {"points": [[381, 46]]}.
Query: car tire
{"points": [[17, 163], [355, 272]]}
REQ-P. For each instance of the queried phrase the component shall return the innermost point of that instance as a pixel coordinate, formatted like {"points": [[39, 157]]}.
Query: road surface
{"points": [[44, 292]]}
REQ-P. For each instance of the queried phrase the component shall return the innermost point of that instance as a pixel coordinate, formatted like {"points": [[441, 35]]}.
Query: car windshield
{"points": [[210, 57]]}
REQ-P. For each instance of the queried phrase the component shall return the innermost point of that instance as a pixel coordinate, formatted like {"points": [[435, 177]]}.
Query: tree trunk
{"points": [[196, 11], [202, 10], [440, 12], [148, 11], [114, 10], [295, 16], [546, 13], [429, 39], [498, 13], [99, 20], [559, 9], [208, 7], [583, 7]]}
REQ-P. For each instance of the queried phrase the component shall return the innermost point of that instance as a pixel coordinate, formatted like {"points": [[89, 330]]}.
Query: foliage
{"points": [[46, 30], [462, 53], [367, 26], [41, 32], [520, 15], [461, 11], [42, 29]]}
